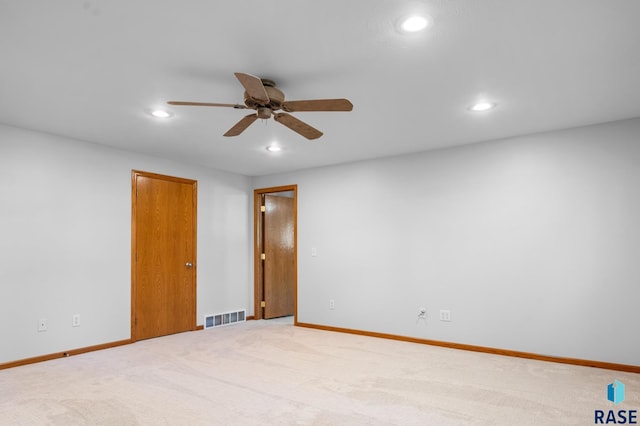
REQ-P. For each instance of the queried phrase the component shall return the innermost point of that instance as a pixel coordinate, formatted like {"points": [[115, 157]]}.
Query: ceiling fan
{"points": [[262, 96]]}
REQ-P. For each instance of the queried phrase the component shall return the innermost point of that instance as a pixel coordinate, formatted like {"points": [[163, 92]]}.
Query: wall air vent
{"points": [[225, 318]]}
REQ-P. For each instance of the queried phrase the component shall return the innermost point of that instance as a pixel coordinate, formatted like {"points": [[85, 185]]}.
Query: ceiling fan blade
{"points": [[297, 126], [318, 105], [254, 87], [241, 125], [237, 106]]}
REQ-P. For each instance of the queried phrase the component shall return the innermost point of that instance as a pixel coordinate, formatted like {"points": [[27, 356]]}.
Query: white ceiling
{"points": [[90, 69]]}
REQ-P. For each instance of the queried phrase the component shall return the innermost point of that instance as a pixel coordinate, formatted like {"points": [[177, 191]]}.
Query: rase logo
{"points": [[615, 394]]}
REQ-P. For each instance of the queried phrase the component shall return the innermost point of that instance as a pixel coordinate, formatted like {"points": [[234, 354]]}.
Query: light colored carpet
{"points": [[270, 372]]}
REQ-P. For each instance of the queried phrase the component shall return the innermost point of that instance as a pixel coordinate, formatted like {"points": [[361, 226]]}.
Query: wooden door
{"points": [[164, 255], [279, 270]]}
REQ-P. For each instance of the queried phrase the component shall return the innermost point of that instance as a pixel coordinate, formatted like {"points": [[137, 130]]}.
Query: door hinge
{"points": [[263, 209], [263, 256], [263, 304]]}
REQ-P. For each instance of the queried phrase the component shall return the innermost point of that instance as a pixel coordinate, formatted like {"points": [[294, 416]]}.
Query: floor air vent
{"points": [[226, 318]]}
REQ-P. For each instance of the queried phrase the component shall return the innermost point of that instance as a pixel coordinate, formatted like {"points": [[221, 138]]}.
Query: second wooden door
{"points": [[279, 244]]}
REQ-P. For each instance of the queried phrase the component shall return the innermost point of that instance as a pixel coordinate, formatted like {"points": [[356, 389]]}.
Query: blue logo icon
{"points": [[615, 392]]}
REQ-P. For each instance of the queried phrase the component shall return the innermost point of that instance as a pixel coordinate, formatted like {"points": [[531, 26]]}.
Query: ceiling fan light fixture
{"points": [[414, 23], [273, 148], [482, 106]]}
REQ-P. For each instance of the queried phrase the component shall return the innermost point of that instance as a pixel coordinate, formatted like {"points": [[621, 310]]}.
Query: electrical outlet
{"points": [[75, 320], [42, 324], [445, 315], [332, 304]]}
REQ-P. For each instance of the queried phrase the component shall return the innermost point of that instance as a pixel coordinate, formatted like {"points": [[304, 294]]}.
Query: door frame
{"points": [[134, 247], [258, 245]]}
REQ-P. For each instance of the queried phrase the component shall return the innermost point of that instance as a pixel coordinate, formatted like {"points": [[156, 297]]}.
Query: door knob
{"points": [[188, 264]]}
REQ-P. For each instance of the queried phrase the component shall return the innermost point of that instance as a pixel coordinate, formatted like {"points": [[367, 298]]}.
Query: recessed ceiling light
{"points": [[274, 148], [414, 24], [159, 113], [482, 106]]}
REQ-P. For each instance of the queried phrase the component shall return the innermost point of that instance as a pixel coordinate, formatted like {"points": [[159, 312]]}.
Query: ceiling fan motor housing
{"points": [[276, 97]]}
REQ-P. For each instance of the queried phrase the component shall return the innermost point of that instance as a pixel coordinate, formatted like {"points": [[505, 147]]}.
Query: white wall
{"points": [[533, 243], [65, 241]]}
